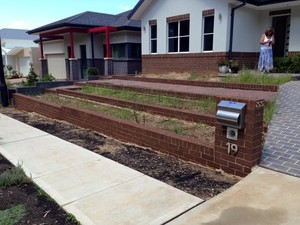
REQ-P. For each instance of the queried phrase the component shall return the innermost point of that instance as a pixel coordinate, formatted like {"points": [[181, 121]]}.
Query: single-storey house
{"points": [[193, 35], [19, 50], [111, 43]]}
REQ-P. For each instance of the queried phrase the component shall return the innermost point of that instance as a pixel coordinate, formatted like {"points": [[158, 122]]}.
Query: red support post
{"points": [[72, 45], [107, 43], [41, 47]]}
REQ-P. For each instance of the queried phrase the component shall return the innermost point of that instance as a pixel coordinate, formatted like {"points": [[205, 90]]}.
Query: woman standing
{"points": [[266, 54]]}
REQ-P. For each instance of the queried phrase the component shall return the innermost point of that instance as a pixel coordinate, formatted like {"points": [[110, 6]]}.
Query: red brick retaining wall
{"points": [[190, 149], [256, 87], [160, 110], [31, 104], [150, 91]]}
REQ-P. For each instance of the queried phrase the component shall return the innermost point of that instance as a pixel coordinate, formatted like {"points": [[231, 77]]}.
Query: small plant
{"points": [[223, 65], [47, 77], [10, 73], [42, 193], [12, 215], [269, 111], [32, 77], [178, 130], [92, 71], [223, 62], [234, 66], [72, 218], [13, 176]]}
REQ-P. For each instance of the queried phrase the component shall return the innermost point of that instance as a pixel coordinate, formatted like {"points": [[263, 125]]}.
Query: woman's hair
{"points": [[269, 30]]}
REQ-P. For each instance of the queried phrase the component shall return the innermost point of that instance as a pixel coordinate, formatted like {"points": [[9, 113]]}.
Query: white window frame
{"points": [[153, 39], [206, 34], [178, 36]]}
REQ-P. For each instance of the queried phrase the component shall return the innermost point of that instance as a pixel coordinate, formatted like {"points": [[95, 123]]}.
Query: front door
{"points": [[281, 25], [83, 61]]}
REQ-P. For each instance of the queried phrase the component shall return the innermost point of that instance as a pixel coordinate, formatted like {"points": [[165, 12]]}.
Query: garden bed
{"points": [[191, 178], [190, 129]]}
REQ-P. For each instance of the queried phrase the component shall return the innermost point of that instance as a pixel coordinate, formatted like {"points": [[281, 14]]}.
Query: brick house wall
{"points": [[193, 62]]}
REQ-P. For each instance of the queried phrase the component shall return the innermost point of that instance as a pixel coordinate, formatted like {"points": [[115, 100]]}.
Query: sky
{"points": [[30, 14]]}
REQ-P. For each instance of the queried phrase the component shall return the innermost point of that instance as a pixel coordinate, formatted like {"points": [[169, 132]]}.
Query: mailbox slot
{"points": [[231, 114]]}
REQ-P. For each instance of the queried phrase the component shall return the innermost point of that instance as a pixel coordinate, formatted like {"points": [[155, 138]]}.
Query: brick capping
{"points": [[186, 148], [256, 87]]}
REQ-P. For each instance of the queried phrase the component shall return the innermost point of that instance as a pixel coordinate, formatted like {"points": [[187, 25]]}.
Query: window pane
{"points": [[153, 46], [154, 31], [134, 51], [208, 24], [173, 45], [184, 44], [173, 29], [184, 27], [118, 51], [208, 42]]}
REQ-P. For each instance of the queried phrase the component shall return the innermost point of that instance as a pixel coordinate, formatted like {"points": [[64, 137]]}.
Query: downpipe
{"points": [[231, 28]]}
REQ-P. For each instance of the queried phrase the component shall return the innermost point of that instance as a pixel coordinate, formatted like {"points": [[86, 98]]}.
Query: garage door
{"points": [[24, 65], [57, 66]]}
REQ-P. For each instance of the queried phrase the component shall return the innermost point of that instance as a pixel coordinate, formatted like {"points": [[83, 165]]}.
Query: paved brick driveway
{"points": [[282, 147]]}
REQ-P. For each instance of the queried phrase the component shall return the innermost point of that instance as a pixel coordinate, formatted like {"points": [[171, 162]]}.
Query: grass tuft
{"points": [[13, 176], [12, 215], [269, 111], [248, 77]]}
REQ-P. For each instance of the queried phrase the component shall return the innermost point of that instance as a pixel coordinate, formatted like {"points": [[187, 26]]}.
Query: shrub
{"points": [[223, 62], [92, 71], [10, 73], [32, 77], [13, 176], [289, 64], [47, 77]]}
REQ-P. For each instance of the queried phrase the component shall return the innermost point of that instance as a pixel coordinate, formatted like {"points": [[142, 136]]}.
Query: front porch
{"points": [[109, 59]]}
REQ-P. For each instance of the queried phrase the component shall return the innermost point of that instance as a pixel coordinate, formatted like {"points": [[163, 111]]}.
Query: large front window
{"points": [[179, 36], [125, 50], [208, 33]]}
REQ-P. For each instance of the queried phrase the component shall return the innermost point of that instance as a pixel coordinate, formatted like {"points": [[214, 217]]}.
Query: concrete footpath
{"points": [[93, 188], [100, 191]]}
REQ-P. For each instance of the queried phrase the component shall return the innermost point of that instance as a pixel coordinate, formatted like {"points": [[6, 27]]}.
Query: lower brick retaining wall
{"points": [[31, 104], [190, 149], [182, 147]]}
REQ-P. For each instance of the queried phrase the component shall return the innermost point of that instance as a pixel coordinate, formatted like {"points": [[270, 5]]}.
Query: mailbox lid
{"points": [[232, 105], [229, 117]]}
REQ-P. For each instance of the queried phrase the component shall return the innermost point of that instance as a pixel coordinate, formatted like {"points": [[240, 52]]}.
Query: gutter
{"points": [[231, 28]]}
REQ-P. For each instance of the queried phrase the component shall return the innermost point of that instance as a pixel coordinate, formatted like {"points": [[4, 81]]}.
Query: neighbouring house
{"points": [[193, 35], [111, 43], [19, 50]]}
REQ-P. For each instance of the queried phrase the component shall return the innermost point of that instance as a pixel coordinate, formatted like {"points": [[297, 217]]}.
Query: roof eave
{"points": [[135, 9], [270, 2]]}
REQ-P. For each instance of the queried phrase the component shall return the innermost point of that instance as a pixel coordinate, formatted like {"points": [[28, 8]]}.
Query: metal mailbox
{"points": [[231, 114]]}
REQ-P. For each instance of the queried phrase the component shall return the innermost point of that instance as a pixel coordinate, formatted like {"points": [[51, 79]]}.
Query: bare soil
{"points": [[39, 208], [191, 178]]}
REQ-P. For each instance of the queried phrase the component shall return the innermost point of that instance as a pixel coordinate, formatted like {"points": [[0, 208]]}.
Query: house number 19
{"points": [[232, 148]]}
